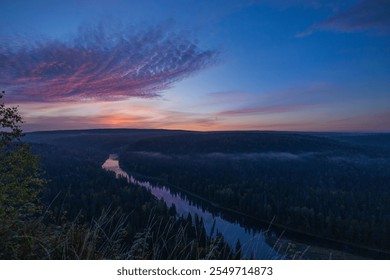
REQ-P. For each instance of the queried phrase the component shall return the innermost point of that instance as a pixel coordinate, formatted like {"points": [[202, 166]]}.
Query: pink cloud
{"points": [[100, 64], [365, 15], [368, 14]]}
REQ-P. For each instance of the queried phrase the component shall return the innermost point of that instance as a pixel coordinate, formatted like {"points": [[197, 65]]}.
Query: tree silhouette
{"points": [[20, 180], [10, 121]]}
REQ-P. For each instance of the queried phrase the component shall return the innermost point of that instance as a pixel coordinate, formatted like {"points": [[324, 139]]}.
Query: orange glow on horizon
{"points": [[118, 119]]}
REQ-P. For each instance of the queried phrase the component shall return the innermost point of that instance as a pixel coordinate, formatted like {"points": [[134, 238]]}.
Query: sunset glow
{"points": [[197, 65]]}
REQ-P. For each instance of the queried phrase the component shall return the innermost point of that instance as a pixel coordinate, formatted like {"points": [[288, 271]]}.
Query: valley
{"points": [[308, 192]]}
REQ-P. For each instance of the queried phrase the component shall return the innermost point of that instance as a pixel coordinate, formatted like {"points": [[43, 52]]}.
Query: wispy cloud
{"points": [[313, 4], [378, 122], [100, 63], [187, 120], [265, 110], [292, 99], [365, 15]]}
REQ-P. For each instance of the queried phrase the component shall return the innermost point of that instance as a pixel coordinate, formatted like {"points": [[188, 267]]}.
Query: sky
{"points": [[290, 65]]}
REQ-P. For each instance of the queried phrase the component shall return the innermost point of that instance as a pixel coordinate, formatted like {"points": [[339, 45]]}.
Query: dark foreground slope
{"points": [[333, 186]]}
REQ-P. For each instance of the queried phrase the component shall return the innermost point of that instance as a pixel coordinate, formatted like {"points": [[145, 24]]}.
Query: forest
{"points": [[333, 186], [326, 186], [89, 214]]}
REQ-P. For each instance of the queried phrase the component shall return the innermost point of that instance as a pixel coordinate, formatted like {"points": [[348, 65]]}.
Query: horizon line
{"points": [[210, 131]]}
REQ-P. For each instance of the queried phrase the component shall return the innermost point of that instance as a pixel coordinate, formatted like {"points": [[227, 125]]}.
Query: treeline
{"points": [[344, 198]]}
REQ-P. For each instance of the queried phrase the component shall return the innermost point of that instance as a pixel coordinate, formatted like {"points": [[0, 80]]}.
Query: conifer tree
{"points": [[20, 180]]}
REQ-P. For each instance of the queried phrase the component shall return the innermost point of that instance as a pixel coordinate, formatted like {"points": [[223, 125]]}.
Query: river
{"points": [[253, 242]]}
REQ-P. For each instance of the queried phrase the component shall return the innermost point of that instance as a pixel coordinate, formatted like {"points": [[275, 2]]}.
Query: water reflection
{"points": [[252, 241]]}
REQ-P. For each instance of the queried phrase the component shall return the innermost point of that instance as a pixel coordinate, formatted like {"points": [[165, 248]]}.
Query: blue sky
{"points": [[293, 65]]}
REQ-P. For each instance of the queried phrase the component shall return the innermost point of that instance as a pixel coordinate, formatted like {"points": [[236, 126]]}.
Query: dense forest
{"points": [[331, 186], [310, 184], [79, 189], [89, 214]]}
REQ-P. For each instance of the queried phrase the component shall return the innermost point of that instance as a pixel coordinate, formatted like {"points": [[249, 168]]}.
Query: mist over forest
{"points": [[326, 190]]}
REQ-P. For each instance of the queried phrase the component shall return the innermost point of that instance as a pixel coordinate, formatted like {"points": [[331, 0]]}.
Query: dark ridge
{"points": [[193, 142], [239, 142]]}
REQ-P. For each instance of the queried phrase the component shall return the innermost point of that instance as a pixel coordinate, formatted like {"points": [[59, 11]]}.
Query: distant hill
{"points": [[192, 142], [238, 142]]}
